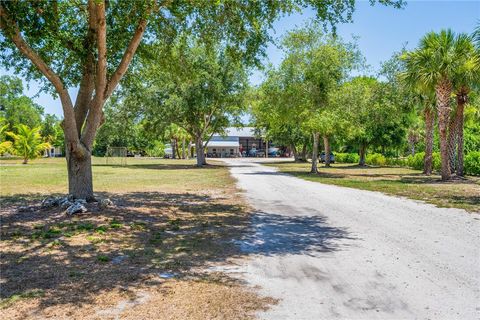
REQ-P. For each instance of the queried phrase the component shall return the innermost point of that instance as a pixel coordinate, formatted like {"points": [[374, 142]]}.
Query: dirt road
{"points": [[329, 252]]}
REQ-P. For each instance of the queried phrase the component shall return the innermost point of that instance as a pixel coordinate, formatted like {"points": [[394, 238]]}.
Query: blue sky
{"points": [[381, 31]]}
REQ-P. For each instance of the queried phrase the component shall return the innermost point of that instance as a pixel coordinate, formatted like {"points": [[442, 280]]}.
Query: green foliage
{"points": [[376, 159], [472, 163], [417, 161], [28, 143], [156, 150], [18, 108], [472, 138], [346, 157]]}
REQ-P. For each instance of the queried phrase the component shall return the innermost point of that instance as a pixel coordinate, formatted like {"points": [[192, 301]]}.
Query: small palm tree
{"points": [[435, 65], [28, 142]]}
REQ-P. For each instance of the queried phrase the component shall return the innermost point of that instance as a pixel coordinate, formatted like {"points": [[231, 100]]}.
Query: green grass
{"points": [[49, 176], [405, 182]]}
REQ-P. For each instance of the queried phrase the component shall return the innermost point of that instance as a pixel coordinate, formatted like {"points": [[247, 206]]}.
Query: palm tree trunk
{"points": [[429, 129], [316, 137], [452, 142], [462, 99], [326, 144], [443, 91]]}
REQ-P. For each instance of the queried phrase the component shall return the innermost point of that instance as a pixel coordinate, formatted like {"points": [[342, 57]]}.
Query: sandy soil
{"points": [[329, 252]]}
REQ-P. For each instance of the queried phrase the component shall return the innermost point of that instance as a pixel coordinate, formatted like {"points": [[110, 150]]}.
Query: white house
{"points": [[237, 142]]}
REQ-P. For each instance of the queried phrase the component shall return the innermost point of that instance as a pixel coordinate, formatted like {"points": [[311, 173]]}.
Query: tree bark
{"points": [[183, 148], [295, 153], [362, 151], [316, 137], [303, 155], [443, 91], [199, 151], [80, 182], [429, 128], [326, 144], [462, 99], [452, 142]]}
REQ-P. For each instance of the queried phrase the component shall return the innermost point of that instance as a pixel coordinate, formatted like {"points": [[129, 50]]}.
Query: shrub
{"points": [[472, 163], [346, 157], [376, 159], [416, 161], [397, 162]]}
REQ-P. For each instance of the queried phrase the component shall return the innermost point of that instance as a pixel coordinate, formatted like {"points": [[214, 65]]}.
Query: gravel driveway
{"points": [[329, 252]]}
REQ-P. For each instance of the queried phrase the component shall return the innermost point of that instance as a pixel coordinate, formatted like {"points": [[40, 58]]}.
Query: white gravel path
{"points": [[329, 252]]}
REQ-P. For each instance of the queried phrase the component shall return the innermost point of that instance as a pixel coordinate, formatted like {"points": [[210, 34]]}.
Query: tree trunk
{"points": [[174, 154], [303, 155], [429, 128], [443, 91], [452, 142], [80, 182], [461, 101], [183, 149], [177, 148], [362, 155], [316, 137], [199, 150], [295, 153], [326, 144], [25, 161]]}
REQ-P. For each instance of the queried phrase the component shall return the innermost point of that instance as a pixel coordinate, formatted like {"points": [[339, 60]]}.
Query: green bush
{"points": [[346, 157], [397, 162], [376, 159], [417, 161], [472, 163]]}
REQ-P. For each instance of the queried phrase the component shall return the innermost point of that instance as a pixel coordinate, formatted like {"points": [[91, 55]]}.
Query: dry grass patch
{"points": [[116, 260]]}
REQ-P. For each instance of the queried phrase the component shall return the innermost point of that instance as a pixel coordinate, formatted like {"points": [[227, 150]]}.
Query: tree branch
{"points": [[87, 84], [11, 31], [95, 110], [127, 58]]}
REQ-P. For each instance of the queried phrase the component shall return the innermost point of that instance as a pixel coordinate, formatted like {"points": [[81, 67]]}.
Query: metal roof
{"points": [[223, 144], [239, 132]]}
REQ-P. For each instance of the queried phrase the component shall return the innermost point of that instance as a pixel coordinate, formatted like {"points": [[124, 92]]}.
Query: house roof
{"points": [[239, 132], [223, 144]]}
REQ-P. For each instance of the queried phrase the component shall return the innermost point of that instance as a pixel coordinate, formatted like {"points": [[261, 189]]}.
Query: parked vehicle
{"points": [[322, 157]]}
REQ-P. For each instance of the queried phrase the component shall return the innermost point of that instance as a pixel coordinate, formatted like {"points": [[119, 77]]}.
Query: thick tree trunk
{"points": [[326, 144], [174, 153], [461, 101], [362, 151], [80, 182], [429, 128], [316, 137], [199, 150], [443, 91]]}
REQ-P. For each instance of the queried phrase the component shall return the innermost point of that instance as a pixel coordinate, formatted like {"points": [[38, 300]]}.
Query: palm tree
{"points": [[28, 142], [434, 65], [468, 75]]}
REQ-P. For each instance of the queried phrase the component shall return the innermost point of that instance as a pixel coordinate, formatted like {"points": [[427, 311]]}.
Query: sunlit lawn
{"points": [[393, 180], [49, 176]]}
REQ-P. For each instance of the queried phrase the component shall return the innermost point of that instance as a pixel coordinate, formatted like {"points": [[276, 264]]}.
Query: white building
{"points": [[237, 142]]}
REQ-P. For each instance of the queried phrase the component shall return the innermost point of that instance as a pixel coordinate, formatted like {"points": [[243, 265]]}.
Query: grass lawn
{"points": [[405, 182], [141, 259]]}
